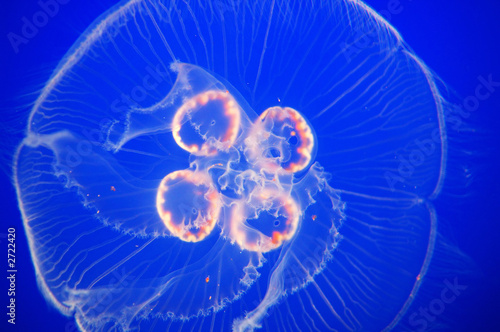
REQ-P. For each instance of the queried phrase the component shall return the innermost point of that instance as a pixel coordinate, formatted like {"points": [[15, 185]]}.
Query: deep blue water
{"points": [[458, 41]]}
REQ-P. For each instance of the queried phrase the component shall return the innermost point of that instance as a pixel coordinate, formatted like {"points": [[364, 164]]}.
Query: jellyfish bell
{"points": [[163, 188]]}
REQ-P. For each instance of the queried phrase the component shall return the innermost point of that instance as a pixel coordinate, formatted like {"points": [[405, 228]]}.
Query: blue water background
{"points": [[459, 40]]}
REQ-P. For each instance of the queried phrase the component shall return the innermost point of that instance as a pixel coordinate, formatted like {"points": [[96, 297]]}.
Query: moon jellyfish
{"points": [[234, 165]]}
